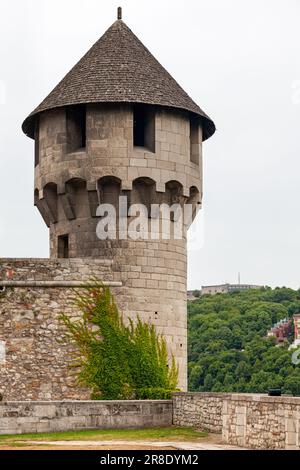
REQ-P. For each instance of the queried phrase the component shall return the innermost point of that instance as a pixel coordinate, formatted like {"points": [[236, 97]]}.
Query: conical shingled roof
{"points": [[119, 69]]}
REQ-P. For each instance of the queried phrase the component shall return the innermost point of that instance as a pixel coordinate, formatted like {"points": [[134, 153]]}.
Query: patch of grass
{"points": [[161, 434], [21, 444]]}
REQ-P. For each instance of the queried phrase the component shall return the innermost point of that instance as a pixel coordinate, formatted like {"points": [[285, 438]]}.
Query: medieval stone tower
{"points": [[117, 125]]}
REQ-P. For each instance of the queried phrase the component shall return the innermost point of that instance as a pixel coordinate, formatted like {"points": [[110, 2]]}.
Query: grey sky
{"points": [[239, 60]]}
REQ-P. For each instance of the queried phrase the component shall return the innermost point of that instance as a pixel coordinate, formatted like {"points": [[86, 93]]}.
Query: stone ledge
{"points": [[249, 397], [84, 402], [263, 398], [49, 284], [63, 261], [202, 394]]}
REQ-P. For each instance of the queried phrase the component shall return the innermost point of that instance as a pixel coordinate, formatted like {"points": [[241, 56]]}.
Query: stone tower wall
{"points": [[68, 189], [110, 150], [70, 186]]}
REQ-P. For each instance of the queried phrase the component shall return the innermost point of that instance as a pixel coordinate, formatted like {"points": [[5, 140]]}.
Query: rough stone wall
{"points": [[37, 362], [31, 417], [44, 269], [247, 420], [200, 410], [262, 422], [37, 358]]}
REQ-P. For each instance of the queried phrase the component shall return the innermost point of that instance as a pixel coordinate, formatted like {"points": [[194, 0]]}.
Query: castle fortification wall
{"points": [[37, 359], [32, 417], [248, 420]]}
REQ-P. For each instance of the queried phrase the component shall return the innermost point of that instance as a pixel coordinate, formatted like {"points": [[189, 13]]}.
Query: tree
{"points": [[228, 342], [292, 385]]}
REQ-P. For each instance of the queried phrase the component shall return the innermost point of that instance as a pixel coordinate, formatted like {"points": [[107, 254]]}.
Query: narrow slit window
{"points": [[144, 127], [76, 128], [63, 246], [195, 140]]}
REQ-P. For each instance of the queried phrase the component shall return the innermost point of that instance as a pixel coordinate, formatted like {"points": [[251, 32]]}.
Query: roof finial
{"points": [[119, 13]]}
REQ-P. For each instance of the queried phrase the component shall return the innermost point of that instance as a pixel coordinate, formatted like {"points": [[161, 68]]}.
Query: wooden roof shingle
{"points": [[118, 69]]}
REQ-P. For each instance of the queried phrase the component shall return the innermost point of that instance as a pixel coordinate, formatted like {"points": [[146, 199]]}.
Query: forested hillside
{"points": [[228, 347]]}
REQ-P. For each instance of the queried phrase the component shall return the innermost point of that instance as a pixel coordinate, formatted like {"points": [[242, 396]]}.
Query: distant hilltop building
{"points": [[226, 288]]}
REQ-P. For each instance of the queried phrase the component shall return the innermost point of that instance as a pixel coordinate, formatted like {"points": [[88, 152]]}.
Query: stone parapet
{"points": [[248, 420], [37, 417]]}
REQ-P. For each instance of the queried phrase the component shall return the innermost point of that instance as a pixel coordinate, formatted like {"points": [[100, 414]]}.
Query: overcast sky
{"points": [[239, 60]]}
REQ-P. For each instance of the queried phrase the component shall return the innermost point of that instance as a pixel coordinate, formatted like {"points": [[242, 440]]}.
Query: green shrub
{"points": [[113, 359], [154, 394]]}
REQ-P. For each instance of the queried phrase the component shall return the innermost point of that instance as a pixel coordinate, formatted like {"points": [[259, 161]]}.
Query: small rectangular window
{"points": [[144, 127], [76, 128], [37, 144], [63, 246], [195, 140]]}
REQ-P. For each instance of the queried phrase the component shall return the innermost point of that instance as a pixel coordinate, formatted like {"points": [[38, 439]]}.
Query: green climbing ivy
{"points": [[114, 360]]}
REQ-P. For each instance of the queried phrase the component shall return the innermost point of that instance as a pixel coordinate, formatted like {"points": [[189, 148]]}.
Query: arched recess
{"points": [[174, 196], [109, 188], [144, 192], [77, 199], [174, 193]]}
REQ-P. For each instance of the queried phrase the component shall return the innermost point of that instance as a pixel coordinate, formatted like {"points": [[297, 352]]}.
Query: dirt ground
{"points": [[210, 442], [112, 447]]}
